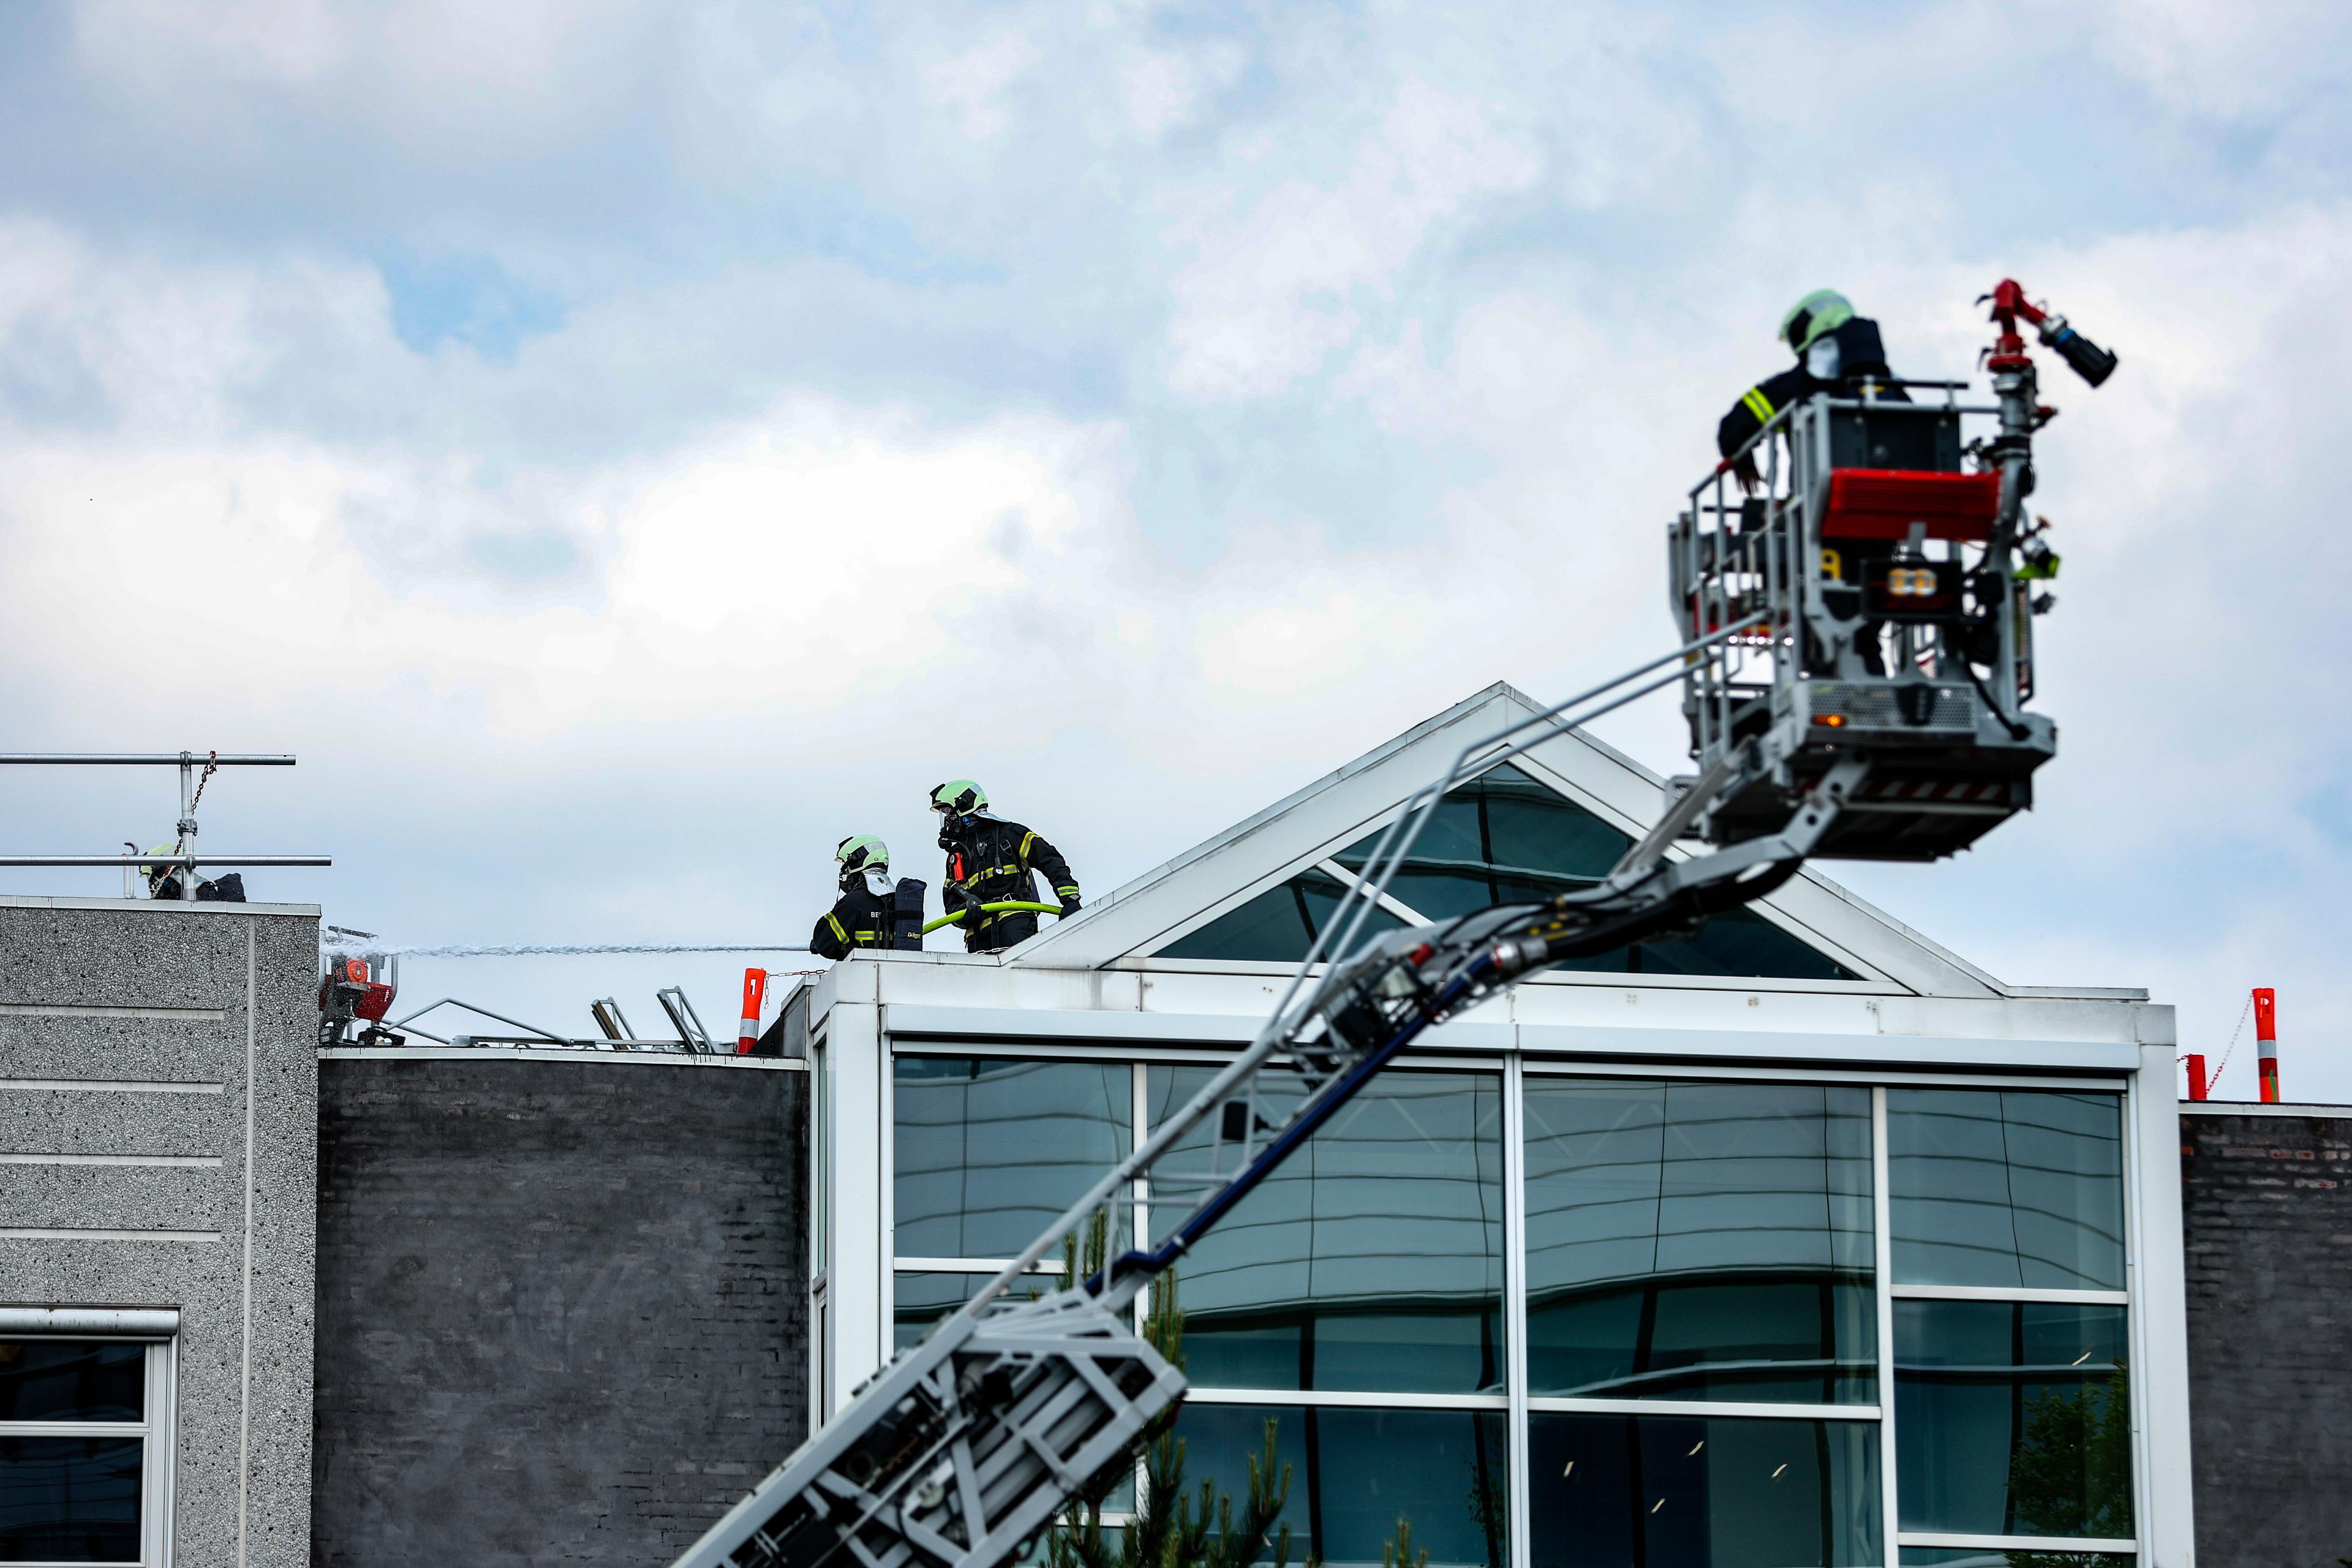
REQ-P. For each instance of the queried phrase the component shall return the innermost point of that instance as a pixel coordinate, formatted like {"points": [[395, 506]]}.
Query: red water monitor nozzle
{"points": [[2009, 306]]}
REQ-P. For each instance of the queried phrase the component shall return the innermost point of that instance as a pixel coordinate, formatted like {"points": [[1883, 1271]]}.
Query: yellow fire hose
{"points": [[992, 908]]}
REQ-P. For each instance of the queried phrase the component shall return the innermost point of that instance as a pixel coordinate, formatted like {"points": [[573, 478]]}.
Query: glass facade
{"points": [[1634, 1491], [1354, 1473], [70, 1493], [990, 1152], [1501, 838], [1372, 1259], [1701, 1358], [1997, 1557], [2015, 1417], [1278, 925], [2006, 1187], [1700, 1241]]}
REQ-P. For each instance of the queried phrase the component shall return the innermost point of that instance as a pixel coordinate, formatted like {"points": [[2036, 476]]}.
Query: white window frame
{"points": [[1517, 1068], [157, 1432]]}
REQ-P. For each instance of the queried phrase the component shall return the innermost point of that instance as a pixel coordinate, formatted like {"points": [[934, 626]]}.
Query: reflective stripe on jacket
{"points": [[994, 863], [1858, 354]]}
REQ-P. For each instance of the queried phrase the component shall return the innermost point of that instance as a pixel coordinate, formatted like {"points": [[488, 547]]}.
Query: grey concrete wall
{"points": [[2267, 1217], [562, 1303], [169, 1032]]}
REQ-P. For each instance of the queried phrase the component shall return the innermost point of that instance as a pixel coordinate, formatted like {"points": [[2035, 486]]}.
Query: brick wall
{"points": [[2267, 1222], [563, 1305]]}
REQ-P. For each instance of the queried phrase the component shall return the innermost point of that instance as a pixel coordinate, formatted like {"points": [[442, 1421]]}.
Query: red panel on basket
{"points": [[1883, 503]]}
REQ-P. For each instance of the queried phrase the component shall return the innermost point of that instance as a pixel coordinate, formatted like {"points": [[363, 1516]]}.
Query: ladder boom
{"points": [[1836, 625]]}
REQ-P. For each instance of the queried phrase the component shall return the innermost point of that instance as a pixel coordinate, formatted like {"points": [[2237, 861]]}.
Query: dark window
{"points": [[1647, 1491], [69, 1500], [2005, 1187], [2012, 1418], [920, 1301], [1978, 1557], [1700, 1241], [1278, 926], [990, 1151], [1502, 838], [1371, 1260], [922, 1298], [73, 1380], [1354, 1473]]}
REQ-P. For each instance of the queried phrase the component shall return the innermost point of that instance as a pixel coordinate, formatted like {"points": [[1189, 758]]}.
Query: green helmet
{"points": [[863, 852], [959, 797], [1814, 317]]}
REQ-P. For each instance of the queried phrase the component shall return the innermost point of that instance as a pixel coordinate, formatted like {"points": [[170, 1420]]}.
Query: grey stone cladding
{"points": [[158, 1101], [562, 1303], [2267, 1215]]}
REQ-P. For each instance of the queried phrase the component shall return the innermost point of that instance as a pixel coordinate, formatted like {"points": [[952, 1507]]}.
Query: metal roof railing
{"points": [[191, 789]]}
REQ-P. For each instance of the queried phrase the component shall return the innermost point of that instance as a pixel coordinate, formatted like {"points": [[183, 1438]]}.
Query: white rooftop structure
{"points": [[1688, 1212]]}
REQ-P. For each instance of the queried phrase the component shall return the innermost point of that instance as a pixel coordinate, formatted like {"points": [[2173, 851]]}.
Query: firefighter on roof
{"points": [[1836, 352], [990, 860], [861, 916]]}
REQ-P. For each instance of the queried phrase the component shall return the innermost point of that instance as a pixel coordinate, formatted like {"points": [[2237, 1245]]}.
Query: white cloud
{"points": [[1274, 288], [2229, 61], [260, 41], [1402, 332], [975, 84]]}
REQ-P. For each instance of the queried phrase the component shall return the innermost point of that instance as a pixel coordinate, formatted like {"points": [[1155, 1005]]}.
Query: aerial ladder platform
{"points": [[1856, 666]]}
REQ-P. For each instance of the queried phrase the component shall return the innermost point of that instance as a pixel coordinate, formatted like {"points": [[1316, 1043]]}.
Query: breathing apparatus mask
{"points": [[958, 801]]}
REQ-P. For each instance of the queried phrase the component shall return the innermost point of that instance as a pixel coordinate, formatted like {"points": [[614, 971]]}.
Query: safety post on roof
{"points": [[2197, 1085], [2266, 1040], [755, 997]]}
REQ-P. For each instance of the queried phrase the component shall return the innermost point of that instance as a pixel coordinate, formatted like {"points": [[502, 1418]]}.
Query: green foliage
{"points": [[1399, 1553], [1489, 1509], [1171, 1528], [2071, 1472]]}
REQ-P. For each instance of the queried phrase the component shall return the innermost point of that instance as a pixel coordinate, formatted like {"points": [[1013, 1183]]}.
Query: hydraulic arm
{"points": [[961, 1450], [964, 1446]]}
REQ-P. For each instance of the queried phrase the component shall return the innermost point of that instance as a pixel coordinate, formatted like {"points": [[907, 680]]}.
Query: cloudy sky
{"points": [[623, 450]]}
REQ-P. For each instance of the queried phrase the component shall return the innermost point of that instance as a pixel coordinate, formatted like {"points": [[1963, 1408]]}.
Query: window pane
{"points": [[990, 1152], [1504, 838], [1278, 926], [1741, 941], [2005, 1187], [1657, 1492], [69, 1500], [920, 1301], [921, 1298], [1700, 1241], [1978, 1557], [2012, 1418], [73, 1380], [1354, 1473], [1505, 823], [1538, 835], [1371, 1260]]}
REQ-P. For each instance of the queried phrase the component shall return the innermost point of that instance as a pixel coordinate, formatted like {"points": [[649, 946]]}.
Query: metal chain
{"points": [[212, 767], [2234, 1040]]}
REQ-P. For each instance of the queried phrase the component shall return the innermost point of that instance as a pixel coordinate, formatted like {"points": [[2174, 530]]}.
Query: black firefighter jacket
{"points": [[1836, 362], [859, 918], [992, 863]]}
